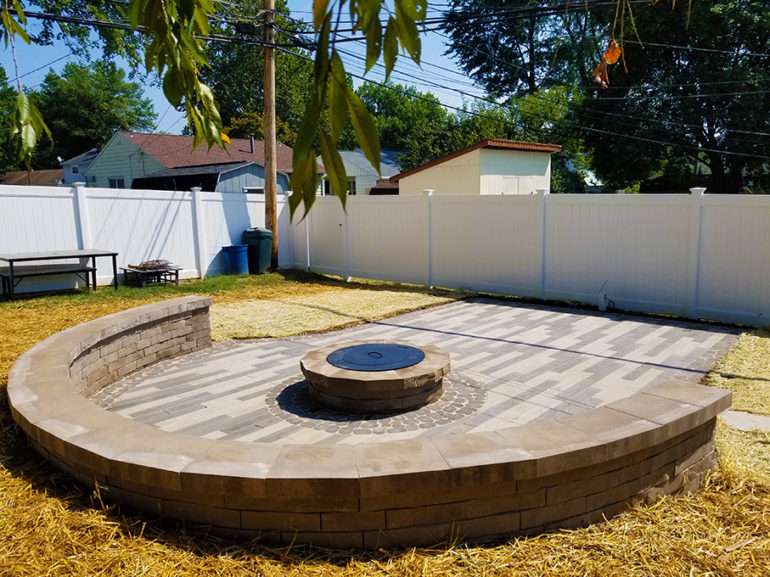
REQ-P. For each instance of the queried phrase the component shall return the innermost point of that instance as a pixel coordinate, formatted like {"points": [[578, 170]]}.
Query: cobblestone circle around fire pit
{"points": [[291, 402]]}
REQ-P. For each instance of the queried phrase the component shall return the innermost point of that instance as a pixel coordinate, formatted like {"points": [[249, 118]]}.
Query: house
{"points": [[45, 177], [75, 168], [362, 176], [228, 177], [131, 155], [487, 167]]}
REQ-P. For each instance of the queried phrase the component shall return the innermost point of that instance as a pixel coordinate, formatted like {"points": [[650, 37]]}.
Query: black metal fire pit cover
{"points": [[375, 357]]}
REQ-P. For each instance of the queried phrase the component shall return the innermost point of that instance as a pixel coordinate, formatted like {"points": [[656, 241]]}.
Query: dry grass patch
{"points": [[325, 310], [747, 453], [51, 526], [745, 371]]}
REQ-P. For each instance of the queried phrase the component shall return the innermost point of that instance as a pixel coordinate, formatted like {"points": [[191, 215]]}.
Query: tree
{"points": [[8, 146], [521, 46], [176, 51], [690, 89], [252, 124], [695, 92], [86, 105], [406, 120], [237, 71]]}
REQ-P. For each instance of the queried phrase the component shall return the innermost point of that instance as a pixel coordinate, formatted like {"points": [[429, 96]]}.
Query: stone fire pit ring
{"points": [[375, 391]]}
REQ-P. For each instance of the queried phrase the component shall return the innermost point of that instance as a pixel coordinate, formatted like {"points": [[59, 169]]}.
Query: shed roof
{"points": [[174, 150], [186, 177], [498, 144]]}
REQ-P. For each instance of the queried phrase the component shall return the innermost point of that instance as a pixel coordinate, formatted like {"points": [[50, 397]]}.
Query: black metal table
{"points": [[16, 272]]}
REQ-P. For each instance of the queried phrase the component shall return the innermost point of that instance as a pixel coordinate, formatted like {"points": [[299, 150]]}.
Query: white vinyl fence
{"points": [[187, 228], [700, 256]]}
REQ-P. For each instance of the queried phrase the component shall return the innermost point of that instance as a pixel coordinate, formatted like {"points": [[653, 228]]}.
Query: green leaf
{"points": [[366, 129], [407, 33], [335, 169], [337, 99], [303, 145], [373, 42], [135, 10], [30, 127], [319, 12], [414, 9], [304, 182], [321, 68], [390, 47], [172, 87]]}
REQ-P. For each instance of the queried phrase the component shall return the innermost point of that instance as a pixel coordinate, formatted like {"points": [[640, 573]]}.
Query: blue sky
{"points": [[438, 75]]}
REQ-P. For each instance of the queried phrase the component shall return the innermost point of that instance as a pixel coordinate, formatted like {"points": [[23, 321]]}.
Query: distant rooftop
{"points": [[173, 151], [497, 144]]}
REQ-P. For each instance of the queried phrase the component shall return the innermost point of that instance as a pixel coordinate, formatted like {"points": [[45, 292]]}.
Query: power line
{"points": [[283, 48], [587, 128]]}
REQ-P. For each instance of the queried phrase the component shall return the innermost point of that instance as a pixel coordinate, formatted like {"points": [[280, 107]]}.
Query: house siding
{"points": [[460, 175], [121, 158], [251, 176], [483, 171], [520, 172]]}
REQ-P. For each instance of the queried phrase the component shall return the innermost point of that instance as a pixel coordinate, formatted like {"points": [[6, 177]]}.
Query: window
{"points": [[327, 187], [117, 183], [253, 190], [75, 170]]}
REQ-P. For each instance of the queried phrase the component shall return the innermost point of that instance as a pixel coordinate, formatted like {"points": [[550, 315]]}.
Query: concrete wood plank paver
{"points": [[511, 364]]}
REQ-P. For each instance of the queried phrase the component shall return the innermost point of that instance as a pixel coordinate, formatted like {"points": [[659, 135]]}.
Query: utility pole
{"points": [[271, 161]]}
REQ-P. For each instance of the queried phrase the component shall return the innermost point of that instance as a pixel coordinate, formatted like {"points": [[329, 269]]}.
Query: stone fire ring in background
{"points": [[375, 390]]}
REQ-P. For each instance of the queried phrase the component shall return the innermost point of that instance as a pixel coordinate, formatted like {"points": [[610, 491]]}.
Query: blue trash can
{"points": [[236, 259]]}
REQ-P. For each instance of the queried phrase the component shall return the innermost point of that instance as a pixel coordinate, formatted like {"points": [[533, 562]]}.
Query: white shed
{"points": [[488, 167]]}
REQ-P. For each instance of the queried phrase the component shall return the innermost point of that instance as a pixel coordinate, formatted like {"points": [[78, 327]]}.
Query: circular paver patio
{"points": [[512, 364]]}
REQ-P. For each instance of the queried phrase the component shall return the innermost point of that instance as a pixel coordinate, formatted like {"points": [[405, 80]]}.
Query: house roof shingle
{"points": [[492, 143], [174, 151]]}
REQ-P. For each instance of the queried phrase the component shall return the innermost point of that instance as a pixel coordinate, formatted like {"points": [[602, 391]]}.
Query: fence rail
{"points": [[701, 256]]}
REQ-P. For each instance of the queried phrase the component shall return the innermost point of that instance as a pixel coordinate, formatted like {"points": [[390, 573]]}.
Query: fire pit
{"points": [[375, 376]]}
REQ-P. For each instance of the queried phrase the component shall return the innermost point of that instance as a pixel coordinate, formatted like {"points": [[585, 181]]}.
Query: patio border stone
{"points": [[562, 473]]}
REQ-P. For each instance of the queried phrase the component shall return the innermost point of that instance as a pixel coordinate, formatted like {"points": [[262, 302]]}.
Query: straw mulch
{"points": [[51, 526], [746, 372], [296, 314]]}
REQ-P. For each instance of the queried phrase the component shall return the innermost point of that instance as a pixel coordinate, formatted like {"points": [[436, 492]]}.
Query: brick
{"points": [[337, 540], [96, 375], [180, 331], [488, 528], [327, 504], [541, 516], [281, 521], [202, 514], [357, 521], [704, 451], [409, 537], [599, 483], [126, 369], [121, 361], [144, 503], [469, 509]]}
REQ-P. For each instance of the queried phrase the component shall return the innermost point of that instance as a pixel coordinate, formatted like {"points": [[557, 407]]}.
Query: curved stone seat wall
{"points": [[565, 472]]}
